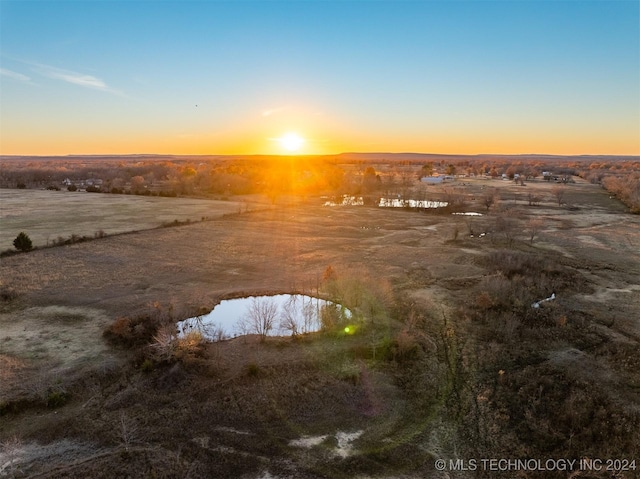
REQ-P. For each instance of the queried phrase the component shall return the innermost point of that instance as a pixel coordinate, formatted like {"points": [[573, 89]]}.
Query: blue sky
{"points": [[427, 76]]}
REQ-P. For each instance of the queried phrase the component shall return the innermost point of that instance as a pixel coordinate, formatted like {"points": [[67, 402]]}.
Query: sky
{"points": [[236, 77]]}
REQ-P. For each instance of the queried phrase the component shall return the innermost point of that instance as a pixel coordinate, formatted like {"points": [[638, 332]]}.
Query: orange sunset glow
{"points": [[434, 82]]}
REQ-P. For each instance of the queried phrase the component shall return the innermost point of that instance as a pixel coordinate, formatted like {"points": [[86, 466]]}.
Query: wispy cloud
{"points": [[14, 75], [75, 78], [273, 111]]}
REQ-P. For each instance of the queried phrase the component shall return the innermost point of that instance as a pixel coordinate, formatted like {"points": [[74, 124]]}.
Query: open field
{"points": [[450, 361], [46, 215]]}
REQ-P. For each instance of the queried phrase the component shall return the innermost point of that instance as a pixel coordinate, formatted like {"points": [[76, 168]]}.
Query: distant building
{"points": [[432, 180]]}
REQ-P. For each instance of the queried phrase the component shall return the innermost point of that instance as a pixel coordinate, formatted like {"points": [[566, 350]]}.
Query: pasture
{"points": [[46, 215], [450, 359]]}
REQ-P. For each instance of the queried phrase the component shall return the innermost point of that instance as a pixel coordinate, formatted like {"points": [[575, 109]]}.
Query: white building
{"points": [[432, 180]]}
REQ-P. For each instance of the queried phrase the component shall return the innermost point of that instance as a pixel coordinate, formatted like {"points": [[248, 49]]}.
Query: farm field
{"points": [[449, 359], [47, 215]]}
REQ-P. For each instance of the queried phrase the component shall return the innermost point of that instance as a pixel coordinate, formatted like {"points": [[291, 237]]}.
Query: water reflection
{"points": [[348, 200], [398, 203], [279, 315]]}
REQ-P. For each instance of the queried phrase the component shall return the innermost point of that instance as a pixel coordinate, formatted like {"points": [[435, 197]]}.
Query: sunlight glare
{"points": [[291, 141]]}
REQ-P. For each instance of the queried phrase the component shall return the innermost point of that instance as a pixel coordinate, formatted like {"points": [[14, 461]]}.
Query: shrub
{"points": [[363, 296], [348, 371], [23, 242], [331, 318], [164, 343], [253, 370], [147, 366], [57, 398], [7, 293], [405, 346], [542, 274], [329, 274], [72, 188], [189, 347], [134, 331]]}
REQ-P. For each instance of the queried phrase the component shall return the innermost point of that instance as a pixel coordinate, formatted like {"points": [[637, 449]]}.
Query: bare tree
{"points": [[426, 170], [300, 315], [330, 316], [310, 315], [371, 180], [559, 193], [261, 317], [533, 227], [534, 200], [389, 183], [164, 342], [455, 198], [128, 431], [507, 228], [289, 317], [489, 198], [137, 183], [407, 179]]}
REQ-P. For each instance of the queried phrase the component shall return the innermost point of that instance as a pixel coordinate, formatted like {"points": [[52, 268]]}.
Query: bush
{"points": [[191, 344], [147, 366], [405, 346], [331, 318], [253, 370], [56, 399], [23, 242], [7, 293], [129, 332]]}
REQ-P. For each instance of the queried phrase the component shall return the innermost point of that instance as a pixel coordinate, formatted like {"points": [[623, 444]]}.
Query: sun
{"points": [[291, 141]]}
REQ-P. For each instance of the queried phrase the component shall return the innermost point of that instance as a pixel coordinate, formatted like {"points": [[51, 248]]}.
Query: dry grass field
{"points": [[449, 360], [46, 215]]}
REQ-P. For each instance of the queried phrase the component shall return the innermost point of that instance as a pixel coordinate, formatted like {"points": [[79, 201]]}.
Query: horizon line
{"points": [[113, 155]]}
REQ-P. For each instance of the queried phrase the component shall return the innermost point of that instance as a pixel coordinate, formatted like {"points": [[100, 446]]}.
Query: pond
{"points": [[347, 200], [398, 203], [278, 315]]}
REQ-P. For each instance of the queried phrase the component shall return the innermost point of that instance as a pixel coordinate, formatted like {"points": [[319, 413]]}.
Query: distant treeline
{"points": [[354, 173]]}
